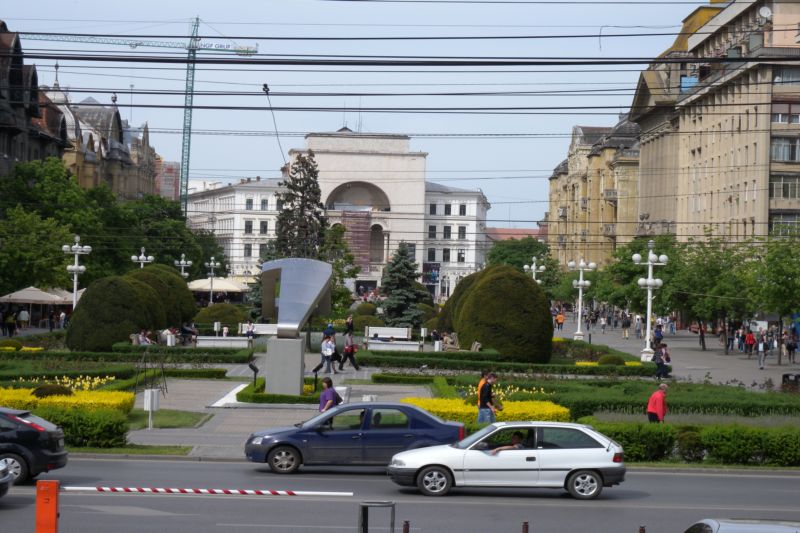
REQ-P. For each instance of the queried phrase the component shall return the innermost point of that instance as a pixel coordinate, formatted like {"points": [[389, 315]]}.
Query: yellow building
{"points": [[739, 154]]}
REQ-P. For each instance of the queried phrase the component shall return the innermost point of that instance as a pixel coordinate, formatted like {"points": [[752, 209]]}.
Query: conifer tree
{"points": [[401, 290], [301, 222]]}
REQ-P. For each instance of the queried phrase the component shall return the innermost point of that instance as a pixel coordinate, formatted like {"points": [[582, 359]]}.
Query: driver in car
{"points": [[516, 444]]}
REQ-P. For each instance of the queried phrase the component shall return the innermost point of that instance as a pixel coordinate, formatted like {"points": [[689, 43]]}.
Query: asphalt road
{"points": [[661, 501]]}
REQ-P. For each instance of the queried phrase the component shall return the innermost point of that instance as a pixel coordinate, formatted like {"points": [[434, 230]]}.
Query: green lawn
{"points": [[135, 449], [167, 418]]}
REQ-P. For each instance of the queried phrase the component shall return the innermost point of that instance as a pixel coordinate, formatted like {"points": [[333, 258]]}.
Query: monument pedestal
{"points": [[285, 366]]}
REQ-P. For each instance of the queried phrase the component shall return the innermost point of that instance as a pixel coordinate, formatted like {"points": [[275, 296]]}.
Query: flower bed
{"points": [[79, 400], [251, 394], [457, 409]]}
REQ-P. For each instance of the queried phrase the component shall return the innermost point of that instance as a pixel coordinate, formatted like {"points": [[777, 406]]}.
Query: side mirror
{"points": [[481, 446]]}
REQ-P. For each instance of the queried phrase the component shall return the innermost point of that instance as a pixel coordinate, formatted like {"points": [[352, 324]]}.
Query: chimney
{"points": [[248, 180], [258, 178]]}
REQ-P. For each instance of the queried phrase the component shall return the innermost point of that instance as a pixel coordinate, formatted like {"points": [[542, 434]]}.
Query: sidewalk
{"points": [[689, 362], [223, 436]]}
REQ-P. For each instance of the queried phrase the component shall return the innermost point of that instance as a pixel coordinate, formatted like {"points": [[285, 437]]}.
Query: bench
{"points": [[390, 339], [205, 341], [260, 329]]}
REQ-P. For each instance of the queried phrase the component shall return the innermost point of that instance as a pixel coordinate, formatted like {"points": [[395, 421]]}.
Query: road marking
{"points": [[230, 398]]}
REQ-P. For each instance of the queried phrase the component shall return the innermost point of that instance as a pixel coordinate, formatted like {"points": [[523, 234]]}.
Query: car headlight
{"points": [[257, 440], [397, 462]]}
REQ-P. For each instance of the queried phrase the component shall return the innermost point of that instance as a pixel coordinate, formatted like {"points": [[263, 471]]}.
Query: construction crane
{"points": [[192, 47]]}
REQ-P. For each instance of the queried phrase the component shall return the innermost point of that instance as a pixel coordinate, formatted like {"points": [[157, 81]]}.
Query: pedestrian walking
{"points": [[791, 348], [762, 352], [326, 356], [603, 325], [328, 398], [349, 352], [486, 407], [661, 358], [626, 326], [657, 405], [560, 321], [749, 343]]}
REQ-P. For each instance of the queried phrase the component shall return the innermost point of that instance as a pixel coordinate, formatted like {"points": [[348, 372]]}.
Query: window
{"points": [[264, 204], [446, 255], [248, 227], [786, 75], [248, 250], [786, 149], [388, 419], [462, 232], [448, 209], [566, 438], [263, 227], [431, 255], [447, 232], [462, 210], [784, 113], [784, 186], [412, 250], [347, 420], [462, 255], [784, 223], [505, 437], [279, 205], [432, 209], [262, 250], [431, 232], [248, 204]]}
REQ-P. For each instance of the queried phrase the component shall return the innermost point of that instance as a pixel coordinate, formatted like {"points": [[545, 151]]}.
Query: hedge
{"points": [[171, 355], [457, 409], [417, 360], [127, 347], [78, 400], [118, 371], [401, 378], [249, 394], [442, 389], [726, 444], [99, 428], [184, 373]]}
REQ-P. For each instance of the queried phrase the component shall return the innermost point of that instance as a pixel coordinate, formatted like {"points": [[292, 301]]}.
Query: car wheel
{"points": [[435, 481], [585, 485], [17, 467], [283, 460]]}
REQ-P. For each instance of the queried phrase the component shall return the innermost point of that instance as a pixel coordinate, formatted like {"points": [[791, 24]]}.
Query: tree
{"points": [[30, 251], [402, 295], [335, 251], [300, 228], [519, 252]]}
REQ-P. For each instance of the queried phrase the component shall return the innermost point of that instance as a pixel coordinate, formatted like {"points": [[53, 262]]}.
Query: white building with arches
{"points": [[375, 186]]}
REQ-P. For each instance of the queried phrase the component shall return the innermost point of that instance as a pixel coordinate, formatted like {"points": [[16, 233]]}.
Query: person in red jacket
{"points": [[657, 405]]}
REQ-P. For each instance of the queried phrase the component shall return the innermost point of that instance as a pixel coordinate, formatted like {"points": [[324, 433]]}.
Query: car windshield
{"points": [[475, 437], [311, 422]]}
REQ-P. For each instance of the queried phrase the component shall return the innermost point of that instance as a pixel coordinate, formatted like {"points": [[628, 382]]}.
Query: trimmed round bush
{"points": [[611, 359], [366, 309], [175, 296], [51, 389], [448, 315], [507, 311], [227, 314], [11, 343], [110, 310], [360, 322]]}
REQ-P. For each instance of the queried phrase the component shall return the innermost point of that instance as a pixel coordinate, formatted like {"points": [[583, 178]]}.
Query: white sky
{"points": [[511, 172]]}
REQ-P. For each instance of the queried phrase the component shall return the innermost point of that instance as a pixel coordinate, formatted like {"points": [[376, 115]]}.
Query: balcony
{"points": [[584, 235], [562, 212], [584, 204], [611, 195], [609, 230]]}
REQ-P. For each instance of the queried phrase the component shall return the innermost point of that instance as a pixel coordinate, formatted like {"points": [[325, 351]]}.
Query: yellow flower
{"points": [[586, 363]]}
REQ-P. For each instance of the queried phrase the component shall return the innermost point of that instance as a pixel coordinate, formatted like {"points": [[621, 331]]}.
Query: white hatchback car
{"points": [[568, 456]]}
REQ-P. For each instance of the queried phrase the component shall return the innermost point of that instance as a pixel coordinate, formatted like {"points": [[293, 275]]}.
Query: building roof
{"points": [[347, 132], [505, 234], [101, 118], [589, 134], [623, 135], [436, 187]]}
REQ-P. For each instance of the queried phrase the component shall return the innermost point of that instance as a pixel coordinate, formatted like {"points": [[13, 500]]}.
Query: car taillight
{"points": [[618, 457], [34, 425], [461, 433]]}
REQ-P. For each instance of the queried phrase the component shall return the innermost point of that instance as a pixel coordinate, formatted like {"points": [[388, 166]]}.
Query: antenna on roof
{"points": [[344, 113]]}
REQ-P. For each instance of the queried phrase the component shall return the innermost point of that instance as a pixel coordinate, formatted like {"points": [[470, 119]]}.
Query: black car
{"points": [[30, 444], [364, 434], [6, 478]]}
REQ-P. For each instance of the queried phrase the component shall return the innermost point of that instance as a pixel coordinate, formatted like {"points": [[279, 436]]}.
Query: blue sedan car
{"points": [[363, 434]]}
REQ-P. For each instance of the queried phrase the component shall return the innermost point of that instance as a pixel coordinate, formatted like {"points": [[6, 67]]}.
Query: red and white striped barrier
{"points": [[224, 492]]}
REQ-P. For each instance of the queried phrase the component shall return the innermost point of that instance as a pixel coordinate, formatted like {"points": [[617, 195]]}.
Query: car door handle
{"points": [[530, 459], [409, 435], [355, 437]]}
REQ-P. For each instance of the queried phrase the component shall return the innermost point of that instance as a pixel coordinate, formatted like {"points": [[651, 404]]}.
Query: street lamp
{"points": [[183, 263], [533, 270], [211, 265], [142, 259], [75, 269], [650, 283], [580, 284]]}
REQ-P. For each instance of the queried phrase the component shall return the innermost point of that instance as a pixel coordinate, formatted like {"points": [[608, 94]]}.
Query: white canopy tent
{"points": [[32, 295], [220, 285]]}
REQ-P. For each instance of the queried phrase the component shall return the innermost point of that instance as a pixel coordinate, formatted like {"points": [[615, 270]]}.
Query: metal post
{"points": [[75, 268], [649, 284], [406, 526], [363, 515], [578, 332], [580, 284], [524, 527], [649, 307]]}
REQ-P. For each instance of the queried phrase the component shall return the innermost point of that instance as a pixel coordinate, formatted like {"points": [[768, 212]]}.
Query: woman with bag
{"points": [[349, 352], [326, 351], [328, 398]]}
